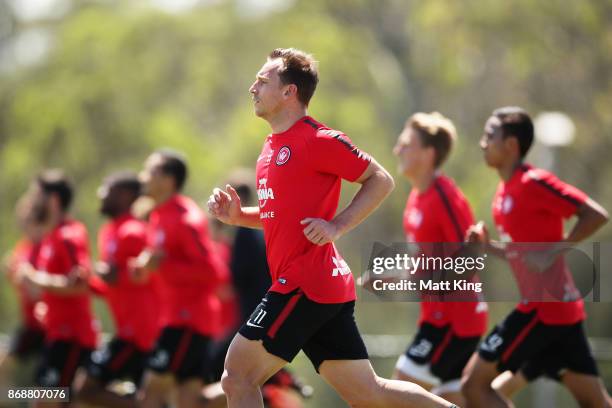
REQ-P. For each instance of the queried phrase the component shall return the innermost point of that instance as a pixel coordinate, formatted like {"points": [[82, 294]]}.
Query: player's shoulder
{"points": [[132, 227], [447, 187], [72, 230], [534, 176]]}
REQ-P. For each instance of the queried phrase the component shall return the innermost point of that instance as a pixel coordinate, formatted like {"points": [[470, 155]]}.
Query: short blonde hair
{"points": [[435, 130]]}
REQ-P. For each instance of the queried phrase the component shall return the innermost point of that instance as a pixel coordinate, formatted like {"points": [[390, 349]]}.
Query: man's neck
{"points": [[162, 198], [285, 119], [422, 181], [507, 170]]}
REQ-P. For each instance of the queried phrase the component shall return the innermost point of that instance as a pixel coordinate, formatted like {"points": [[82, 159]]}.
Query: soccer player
{"points": [[28, 341], [134, 306], [530, 205], [310, 305], [61, 272], [179, 249], [436, 211]]}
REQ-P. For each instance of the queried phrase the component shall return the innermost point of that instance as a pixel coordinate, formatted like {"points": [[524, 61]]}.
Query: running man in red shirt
{"points": [[530, 206], [310, 305], [134, 306], [179, 249], [29, 338], [436, 211], [62, 272]]}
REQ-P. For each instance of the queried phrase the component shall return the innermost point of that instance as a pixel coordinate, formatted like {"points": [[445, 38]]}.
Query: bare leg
{"points": [[359, 386], [476, 385], [588, 390], [247, 367]]}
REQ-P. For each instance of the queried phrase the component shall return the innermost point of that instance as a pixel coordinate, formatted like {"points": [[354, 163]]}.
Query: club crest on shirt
{"points": [[111, 247], [283, 155], [507, 204], [415, 218], [160, 237]]}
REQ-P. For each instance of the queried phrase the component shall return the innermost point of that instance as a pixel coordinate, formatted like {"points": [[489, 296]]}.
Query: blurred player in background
{"points": [[310, 305], [436, 211], [61, 272], [29, 338], [135, 307], [180, 251], [530, 206]]}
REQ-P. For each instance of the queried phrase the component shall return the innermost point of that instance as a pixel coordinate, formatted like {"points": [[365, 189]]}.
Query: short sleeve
{"points": [[554, 195], [334, 153]]}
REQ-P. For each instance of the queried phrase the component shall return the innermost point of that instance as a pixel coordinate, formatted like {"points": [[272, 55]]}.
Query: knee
{"points": [[233, 382], [87, 391], [368, 395], [472, 386]]}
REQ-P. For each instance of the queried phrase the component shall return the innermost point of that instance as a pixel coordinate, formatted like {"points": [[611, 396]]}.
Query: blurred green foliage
{"points": [[122, 79]]}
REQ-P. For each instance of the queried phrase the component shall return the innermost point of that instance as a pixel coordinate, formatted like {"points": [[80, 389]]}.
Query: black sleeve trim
{"points": [[71, 252], [556, 191], [449, 209]]}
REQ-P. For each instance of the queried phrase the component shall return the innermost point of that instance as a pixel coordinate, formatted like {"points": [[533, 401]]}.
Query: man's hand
{"points": [[147, 262], [106, 272], [225, 205], [320, 232], [478, 234]]}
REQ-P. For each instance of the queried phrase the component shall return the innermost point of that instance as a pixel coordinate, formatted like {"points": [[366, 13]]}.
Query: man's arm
{"points": [[72, 284], [376, 185], [227, 208], [591, 217]]}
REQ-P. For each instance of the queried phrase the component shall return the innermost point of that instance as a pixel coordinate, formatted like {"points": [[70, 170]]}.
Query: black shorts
{"points": [[182, 352], [59, 362], [289, 322], [440, 350], [27, 342], [117, 360], [523, 341]]}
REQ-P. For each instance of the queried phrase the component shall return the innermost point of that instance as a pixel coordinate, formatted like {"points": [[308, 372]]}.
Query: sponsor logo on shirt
{"points": [[283, 155], [264, 193], [341, 267]]}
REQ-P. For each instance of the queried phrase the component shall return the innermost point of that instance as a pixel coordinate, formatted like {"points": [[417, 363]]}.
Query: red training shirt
{"points": [[190, 270], [135, 306], [531, 207], [299, 175], [69, 317], [442, 214]]}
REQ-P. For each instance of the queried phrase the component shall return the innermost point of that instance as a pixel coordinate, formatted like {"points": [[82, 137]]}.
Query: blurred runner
{"points": [[135, 307], [436, 211], [179, 249], [530, 206], [62, 273]]}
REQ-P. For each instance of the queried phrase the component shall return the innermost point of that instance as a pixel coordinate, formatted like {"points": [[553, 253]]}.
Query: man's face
{"points": [[493, 143], [267, 90], [412, 156], [154, 182], [109, 200]]}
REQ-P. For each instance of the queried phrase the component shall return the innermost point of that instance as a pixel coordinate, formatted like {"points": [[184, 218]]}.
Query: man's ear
{"points": [[512, 144], [290, 90]]}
